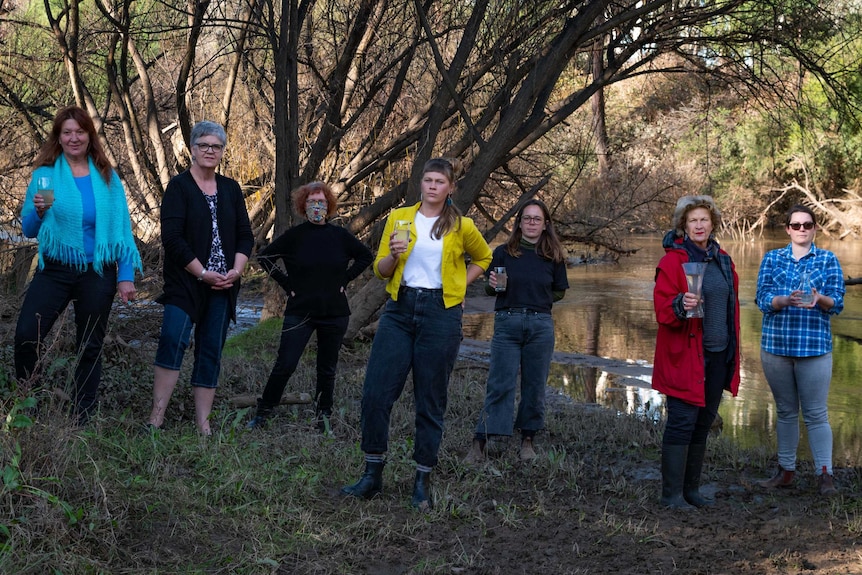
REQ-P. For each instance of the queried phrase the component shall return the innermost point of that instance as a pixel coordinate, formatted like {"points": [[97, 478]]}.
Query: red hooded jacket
{"points": [[679, 361]]}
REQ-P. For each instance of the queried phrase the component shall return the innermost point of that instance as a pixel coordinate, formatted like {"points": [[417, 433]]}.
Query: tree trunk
{"points": [[597, 105], [286, 104], [364, 305]]}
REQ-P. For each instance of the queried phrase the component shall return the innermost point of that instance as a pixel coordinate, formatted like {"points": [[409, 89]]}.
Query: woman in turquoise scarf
{"points": [[86, 251]]}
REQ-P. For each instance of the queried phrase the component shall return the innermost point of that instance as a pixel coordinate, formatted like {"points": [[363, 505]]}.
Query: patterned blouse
{"points": [[217, 262]]}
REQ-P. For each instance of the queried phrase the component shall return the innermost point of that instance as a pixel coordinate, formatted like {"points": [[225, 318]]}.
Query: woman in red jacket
{"points": [[696, 359]]}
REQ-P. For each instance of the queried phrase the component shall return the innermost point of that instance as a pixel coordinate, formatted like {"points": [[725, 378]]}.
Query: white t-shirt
{"points": [[422, 269]]}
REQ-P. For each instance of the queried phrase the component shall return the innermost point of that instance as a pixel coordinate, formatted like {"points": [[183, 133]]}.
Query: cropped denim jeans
{"points": [[801, 382], [416, 333], [522, 339], [210, 335]]}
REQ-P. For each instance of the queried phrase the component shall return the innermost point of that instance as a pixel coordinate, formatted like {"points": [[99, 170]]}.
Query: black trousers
{"points": [[50, 292], [689, 424], [295, 333]]}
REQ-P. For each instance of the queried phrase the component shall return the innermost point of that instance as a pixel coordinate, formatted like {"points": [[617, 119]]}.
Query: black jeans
{"points": [[689, 424], [295, 333], [50, 292], [416, 333]]}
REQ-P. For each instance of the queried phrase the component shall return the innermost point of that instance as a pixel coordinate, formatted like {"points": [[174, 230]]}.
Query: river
{"points": [[607, 312]]}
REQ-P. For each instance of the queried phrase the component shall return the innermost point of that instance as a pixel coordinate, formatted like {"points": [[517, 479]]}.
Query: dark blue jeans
{"points": [[295, 333], [689, 424], [50, 292], [522, 339], [416, 332]]}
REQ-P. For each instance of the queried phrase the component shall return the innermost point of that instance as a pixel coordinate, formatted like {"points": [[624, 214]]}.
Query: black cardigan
{"points": [[187, 234]]}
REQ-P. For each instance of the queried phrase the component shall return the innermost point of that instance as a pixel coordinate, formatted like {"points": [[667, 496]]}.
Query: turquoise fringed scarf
{"points": [[61, 236]]}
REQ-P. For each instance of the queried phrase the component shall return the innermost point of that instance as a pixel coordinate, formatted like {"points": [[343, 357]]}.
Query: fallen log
{"points": [[291, 398]]}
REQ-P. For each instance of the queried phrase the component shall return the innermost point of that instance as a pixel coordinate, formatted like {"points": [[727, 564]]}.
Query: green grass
{"points": [[255, 343], [111, 499]]}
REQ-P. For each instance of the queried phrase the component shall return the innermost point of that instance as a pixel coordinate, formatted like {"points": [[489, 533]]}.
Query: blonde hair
{"points": [[450, 217], [688, 203]]}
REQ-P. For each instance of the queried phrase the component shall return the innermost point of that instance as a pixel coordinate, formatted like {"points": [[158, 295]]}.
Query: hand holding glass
{"points": [[694, 278], [45, 188], [402, 231], [501, 277], [806, 296]]}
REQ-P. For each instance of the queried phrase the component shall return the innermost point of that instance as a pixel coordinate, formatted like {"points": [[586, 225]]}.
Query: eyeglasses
{"points": [[797, 225], [210, 147], [532, 219]]}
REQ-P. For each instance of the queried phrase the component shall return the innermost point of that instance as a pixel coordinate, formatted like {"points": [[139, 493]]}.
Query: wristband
{"points": [[201, 277]]}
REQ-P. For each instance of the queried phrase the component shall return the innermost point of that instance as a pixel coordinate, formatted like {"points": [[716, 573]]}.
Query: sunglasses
{"points": [[797, 225]]}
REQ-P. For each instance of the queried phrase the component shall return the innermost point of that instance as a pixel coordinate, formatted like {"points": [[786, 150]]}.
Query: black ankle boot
{"points": [[422, 491], [371, 482], [261, 416]]}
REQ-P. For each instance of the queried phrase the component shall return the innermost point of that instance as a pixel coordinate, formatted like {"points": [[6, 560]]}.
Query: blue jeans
{"points": [[416, 332], [210, 335], [295, 333], [525, 340], [795, 382], [689, 424], [50, 292]]}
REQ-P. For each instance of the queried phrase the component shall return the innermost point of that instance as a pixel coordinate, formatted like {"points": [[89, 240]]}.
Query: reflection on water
{"points": [[623, 394], [608, 312]]}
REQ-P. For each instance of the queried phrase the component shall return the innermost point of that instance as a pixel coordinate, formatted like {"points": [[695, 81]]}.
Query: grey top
{"points": [[716, 294]]}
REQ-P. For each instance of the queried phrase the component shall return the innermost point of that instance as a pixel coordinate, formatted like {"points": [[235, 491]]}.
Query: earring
{"points": [[449, 200]]}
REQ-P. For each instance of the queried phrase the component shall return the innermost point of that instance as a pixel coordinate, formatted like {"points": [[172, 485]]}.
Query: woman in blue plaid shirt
{"points": [[796, 343]]}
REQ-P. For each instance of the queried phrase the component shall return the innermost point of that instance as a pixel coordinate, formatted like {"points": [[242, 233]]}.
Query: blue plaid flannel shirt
{"points": [[793, 331]]}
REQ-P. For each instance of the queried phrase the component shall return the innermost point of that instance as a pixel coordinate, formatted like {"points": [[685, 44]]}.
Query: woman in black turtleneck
{"points": [[320, 259], [523, 330]]}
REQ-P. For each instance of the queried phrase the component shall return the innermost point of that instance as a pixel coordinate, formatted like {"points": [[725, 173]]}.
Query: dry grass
{"points": [[110, 499]]}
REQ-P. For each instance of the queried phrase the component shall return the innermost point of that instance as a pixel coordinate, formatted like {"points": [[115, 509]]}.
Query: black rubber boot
{"points": [[691, 482], [370, 484], [422, 491], [672, 471]]}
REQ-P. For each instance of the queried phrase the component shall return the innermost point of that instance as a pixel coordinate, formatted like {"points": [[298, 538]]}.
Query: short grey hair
{"points": [[688, 203], [207, 128]]}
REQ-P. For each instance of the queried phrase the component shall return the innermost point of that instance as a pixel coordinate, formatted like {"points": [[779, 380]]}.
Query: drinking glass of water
{"points": [[694, 278], [502, 278], [805, 286], [45, 188], [402, 230]]}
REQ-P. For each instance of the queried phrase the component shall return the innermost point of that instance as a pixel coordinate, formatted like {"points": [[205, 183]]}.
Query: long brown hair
{"points": [[51, 149], [548, 246], [450, 217]]}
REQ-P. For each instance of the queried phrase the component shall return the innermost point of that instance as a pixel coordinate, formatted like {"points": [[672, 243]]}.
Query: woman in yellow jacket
{"points": [[420, 329]]}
